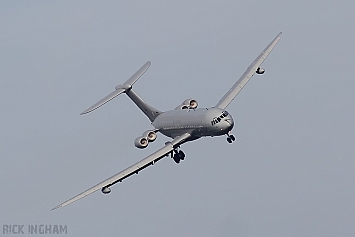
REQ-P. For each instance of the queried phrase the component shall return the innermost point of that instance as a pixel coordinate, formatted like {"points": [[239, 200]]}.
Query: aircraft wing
{"points": [[134, 169], [243, 80]]}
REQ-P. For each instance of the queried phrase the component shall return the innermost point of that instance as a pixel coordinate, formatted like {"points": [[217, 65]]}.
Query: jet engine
{"points": [[150, 135], [188, 104], [260, 70], [181, 107], [191, 103], [141, 142]]}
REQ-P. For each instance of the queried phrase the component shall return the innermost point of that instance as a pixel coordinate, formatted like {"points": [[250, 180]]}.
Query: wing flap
{"points": [[243, 80], [159, 154]]}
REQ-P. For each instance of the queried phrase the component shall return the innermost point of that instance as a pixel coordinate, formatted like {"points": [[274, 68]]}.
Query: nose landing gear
{"points": [[230, 138]]}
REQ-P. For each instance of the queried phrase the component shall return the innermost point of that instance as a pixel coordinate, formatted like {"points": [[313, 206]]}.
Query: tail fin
{"points": [[148, 110]]}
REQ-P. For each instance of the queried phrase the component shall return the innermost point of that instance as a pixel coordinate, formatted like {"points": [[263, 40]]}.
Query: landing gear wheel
{"points": [[181, 155], [232, 137], [176, 158], [229, 140]]}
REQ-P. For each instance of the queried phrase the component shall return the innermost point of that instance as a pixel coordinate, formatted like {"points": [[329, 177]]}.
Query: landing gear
{"points": [[230, 138], [181, 155], [178, 156]]}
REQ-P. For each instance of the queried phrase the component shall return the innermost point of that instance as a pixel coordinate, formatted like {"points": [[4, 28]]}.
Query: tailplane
{"points": [[126, 87]]}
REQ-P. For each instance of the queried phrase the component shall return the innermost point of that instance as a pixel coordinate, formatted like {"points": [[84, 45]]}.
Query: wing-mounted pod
{"points": [[145, 139], [188, 104], [105, 190], [260, 70]]}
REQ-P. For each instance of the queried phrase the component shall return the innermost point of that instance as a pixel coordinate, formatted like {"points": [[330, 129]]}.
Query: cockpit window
{"points": [[218, 119]]}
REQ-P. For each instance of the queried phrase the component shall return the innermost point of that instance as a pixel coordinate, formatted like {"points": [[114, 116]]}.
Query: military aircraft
{"points": [[183, 124]]}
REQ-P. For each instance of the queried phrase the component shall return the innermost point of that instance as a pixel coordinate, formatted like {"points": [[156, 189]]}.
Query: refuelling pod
{"points": [[105, 190], [260, 70]]}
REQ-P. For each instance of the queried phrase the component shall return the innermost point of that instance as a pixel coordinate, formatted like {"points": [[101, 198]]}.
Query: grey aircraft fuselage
{"points": [[197, 122]]}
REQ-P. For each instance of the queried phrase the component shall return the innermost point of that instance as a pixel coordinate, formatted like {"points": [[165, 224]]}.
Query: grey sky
{"points": [[290, 172]]}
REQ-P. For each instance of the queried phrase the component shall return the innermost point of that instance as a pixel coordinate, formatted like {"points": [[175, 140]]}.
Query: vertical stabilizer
{"points": [[148, 110]]}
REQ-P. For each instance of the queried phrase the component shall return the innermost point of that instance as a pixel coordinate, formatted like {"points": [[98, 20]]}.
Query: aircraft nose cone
{"points": [[230, 122]]}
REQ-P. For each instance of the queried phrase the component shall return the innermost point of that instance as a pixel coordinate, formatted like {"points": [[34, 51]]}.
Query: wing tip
{"points": [[59, 206], [84, 112], [92, 108]]}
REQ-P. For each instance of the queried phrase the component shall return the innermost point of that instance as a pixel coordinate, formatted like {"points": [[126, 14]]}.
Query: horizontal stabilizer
{"points": [[104, 100], [120, 88], [138, 74]]}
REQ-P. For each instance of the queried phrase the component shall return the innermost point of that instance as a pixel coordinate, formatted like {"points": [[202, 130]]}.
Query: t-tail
{"points": [[126, 87]]}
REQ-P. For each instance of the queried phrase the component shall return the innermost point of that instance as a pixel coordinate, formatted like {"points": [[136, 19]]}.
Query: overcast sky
{"points": [[290, 171]]}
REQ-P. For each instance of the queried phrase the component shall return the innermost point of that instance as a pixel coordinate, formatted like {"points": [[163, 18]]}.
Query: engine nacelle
{"points": [[260, 70], [188, 104], [141, 142], [191, 103], [182, 107], [150, 135], [105, 190]]}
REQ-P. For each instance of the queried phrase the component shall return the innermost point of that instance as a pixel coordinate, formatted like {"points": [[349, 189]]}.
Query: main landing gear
{"points": [[178, 155], [230, 138]]}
